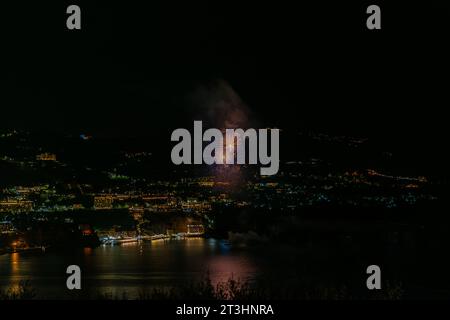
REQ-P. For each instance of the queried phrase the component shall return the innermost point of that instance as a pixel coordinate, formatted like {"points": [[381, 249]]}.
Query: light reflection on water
{"points": [[131, 268]]}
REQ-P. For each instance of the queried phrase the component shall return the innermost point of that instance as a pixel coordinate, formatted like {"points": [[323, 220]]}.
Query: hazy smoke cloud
{"points": [[220, 106]]}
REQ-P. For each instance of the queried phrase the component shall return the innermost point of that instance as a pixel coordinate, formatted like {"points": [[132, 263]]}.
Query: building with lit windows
{"points": [[103, 202], [16, 206], [46, 157]]}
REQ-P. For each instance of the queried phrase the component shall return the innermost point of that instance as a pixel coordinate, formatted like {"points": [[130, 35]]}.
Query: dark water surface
{"points": [[130, 268]]}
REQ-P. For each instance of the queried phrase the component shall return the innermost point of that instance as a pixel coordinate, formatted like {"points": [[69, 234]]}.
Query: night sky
{"points": [[141, 70]]}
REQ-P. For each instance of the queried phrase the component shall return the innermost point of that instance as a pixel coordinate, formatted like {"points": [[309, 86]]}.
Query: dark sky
{"points": [[137, 68]]}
